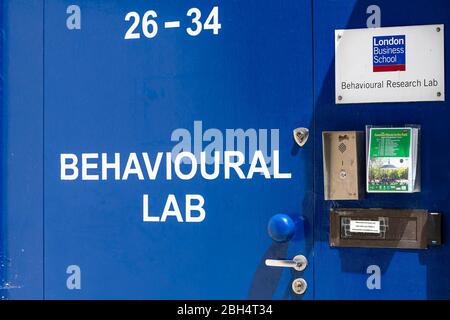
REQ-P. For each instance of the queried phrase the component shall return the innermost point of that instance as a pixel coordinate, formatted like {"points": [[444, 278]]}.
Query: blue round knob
{"points": [[281, 228]]}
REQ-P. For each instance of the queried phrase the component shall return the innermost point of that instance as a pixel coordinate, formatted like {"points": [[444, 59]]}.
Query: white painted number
{"points": [[146, 22], [195, 20], [130, 33], [212, 23], [150, 26]]}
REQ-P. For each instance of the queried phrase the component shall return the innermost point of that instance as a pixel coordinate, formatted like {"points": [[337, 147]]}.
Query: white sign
{"points": [[364, 226], [397, 64]]}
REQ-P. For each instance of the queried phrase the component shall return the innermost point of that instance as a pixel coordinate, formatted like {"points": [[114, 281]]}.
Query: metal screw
{"points": [[339, 37], [438, 29], [439, 94], [339, 98]]}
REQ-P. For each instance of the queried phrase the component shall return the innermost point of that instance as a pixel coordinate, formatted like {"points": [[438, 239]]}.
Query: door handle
{"points": [[299, 263]]}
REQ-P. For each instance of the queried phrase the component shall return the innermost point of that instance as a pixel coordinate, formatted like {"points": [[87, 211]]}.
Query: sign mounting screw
{"points": [[438, 29]]}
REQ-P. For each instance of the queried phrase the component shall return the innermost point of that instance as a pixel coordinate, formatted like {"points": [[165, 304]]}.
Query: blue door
{"points": [[166, 77]]}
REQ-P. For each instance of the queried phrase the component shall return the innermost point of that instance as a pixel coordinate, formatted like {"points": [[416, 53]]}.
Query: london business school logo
{"points": [[389, 53]]}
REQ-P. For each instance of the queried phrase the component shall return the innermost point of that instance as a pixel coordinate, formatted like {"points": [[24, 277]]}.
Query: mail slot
{"points": [[384, 228]]}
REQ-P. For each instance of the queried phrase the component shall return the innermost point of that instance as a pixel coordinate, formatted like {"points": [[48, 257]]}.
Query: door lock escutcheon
{"points": [[299, 263], [299, 286]]}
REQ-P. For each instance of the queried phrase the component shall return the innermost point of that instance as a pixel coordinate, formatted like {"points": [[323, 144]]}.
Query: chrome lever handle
{"points": [[299, 263]]}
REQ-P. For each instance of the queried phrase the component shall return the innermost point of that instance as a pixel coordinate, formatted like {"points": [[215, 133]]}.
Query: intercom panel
{"points": [[342, 164]]}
